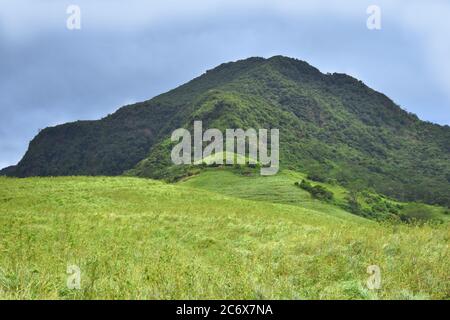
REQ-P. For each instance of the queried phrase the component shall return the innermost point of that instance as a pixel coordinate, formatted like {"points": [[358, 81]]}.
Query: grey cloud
{"points": [[131, 52]]}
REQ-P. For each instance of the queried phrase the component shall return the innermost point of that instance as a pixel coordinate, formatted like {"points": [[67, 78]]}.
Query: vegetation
{"points": [[332, 127], [145, 239], [224, 231], [284, 188], [417, 213], [317, 191]]}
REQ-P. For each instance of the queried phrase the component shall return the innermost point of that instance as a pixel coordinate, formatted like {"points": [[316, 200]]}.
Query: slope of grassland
{"points": [[278, 188], [281, 188], [144, 239]]}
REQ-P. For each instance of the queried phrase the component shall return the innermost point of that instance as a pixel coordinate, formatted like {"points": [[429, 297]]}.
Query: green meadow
{"points": [[216, 235]]}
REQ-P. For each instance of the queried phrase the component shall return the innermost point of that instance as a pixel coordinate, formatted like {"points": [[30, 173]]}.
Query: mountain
{"points": [[332, 126]]}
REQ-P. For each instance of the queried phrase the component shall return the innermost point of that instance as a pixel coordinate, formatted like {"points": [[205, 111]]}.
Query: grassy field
{"points": [[144, 239]]}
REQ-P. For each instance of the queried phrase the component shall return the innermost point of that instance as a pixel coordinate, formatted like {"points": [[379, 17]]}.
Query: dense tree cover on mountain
{"points": [[332, 127]]}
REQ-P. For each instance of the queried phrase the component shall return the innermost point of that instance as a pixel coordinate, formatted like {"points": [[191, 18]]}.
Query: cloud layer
{"points": [[129, 51]]}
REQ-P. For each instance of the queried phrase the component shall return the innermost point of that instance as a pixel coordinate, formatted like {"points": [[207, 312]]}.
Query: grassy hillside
{"points": [[279, 188], [246, 183], [137, 238]]}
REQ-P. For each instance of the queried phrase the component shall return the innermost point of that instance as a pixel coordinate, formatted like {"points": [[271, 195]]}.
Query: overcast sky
{"points": [[128, 51]]}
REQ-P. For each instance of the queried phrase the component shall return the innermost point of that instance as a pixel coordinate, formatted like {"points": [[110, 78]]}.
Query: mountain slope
{"points": [[331, 125]]}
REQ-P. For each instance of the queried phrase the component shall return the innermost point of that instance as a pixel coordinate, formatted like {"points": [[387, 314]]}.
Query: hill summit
{"points": [[332, 126]]}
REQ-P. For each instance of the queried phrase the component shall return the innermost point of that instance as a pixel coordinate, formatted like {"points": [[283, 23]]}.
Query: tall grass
{"points": [[143, 239]]}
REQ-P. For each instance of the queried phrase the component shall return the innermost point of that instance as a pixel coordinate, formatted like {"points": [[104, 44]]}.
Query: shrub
{"points": [[317, 177], [416, 213], [321, 193], [317, 192], [353, 204], [243, 170], [305, 185]]}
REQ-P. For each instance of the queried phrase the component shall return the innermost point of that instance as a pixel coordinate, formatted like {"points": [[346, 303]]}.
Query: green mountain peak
{"points": [[330, 124]]}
